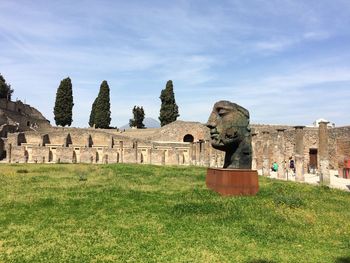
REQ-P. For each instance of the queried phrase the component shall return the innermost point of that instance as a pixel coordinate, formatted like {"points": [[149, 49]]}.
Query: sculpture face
{"points": [[229, 132], [227, 125]]}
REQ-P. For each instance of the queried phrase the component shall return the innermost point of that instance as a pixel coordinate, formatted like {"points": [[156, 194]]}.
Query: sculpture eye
{"points": [[222, 112]]}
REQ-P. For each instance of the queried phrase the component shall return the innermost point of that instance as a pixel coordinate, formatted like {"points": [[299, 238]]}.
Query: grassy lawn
{"points": [[144, 213]]}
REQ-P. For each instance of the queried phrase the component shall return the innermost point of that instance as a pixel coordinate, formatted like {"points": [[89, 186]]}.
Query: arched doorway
{"points": [[188, 138]]}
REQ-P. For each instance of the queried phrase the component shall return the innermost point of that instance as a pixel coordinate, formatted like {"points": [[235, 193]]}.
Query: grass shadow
{"points": [[343, 260], [261, 261]]}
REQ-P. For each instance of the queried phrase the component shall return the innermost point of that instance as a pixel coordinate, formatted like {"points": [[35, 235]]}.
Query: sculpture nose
{"points": [[211, 123]]}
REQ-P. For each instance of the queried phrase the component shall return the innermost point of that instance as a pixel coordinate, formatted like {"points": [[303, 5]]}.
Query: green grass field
{"points": [[143, 213]]}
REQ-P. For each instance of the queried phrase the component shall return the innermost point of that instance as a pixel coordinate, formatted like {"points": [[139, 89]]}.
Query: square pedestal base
{"points": [[233, 181]]}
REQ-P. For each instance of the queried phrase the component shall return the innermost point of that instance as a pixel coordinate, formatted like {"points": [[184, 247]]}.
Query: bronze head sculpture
{"points": [[230, 132]]}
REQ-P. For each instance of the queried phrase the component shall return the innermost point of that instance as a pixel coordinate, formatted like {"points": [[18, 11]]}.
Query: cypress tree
{"points": [[169, 111], [102, 112], [5, 89], [92, 114], [139, 116], [64, 103]]}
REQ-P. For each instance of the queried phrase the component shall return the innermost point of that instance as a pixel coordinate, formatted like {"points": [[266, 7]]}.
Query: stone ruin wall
{"points": [[21, 115], [166, 146], [266, 136], [90, 146], [176, 131], [340, 145]]}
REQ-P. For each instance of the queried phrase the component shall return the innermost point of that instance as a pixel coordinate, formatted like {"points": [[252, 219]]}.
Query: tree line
{"points": [[100, 115]]}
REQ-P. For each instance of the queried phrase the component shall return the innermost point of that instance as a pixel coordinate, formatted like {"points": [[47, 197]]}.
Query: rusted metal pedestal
{"points": [[233, 181]]}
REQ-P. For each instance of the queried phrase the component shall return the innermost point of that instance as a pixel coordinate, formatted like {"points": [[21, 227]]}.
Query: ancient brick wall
{"points": [[176, 131], [340, 144], [22, 115], [71, 145]]}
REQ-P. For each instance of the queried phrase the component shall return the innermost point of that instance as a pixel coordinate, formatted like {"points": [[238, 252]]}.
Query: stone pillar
{"points": [[323, 153], [207, 147], [254, 158], [150, 155], [121, 146], [163, 157], [280, 154], [194, 153], [9, 153], [198, 153], [266, 157], [136, 151], [190, 153], [299, 153]]}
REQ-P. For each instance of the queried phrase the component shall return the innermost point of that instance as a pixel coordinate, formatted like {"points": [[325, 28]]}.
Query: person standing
{"points": [[275, 166], [291, 164]]}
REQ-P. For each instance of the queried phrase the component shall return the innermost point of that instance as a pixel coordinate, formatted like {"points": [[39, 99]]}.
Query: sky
{"points": [[286, 61]]}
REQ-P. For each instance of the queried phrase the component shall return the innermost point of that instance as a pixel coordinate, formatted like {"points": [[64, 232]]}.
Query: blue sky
{"points": [[286, 61]]}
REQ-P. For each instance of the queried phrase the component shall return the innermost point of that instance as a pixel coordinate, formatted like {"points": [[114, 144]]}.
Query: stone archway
{"points": [[188, 138]]}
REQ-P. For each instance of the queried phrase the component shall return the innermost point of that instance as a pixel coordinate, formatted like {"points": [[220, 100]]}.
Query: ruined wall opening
{"points": [[21, 139], [74, 157], [188, 138], [68, 140], [26, 156], [312, 160], [2, 150], [50, 156], [90, 142], [97, 157], [141, 158]]}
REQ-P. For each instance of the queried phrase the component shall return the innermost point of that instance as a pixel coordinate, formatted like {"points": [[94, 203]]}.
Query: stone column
{"points": [[254, 158], [150, 155], [280, 154], [136, 151], [163, 157], [198, 153], [299, 153], [323, 153], [207, 157], [194, 153], [87, 141], [266, 157], [121, 157], [9, 153]]}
